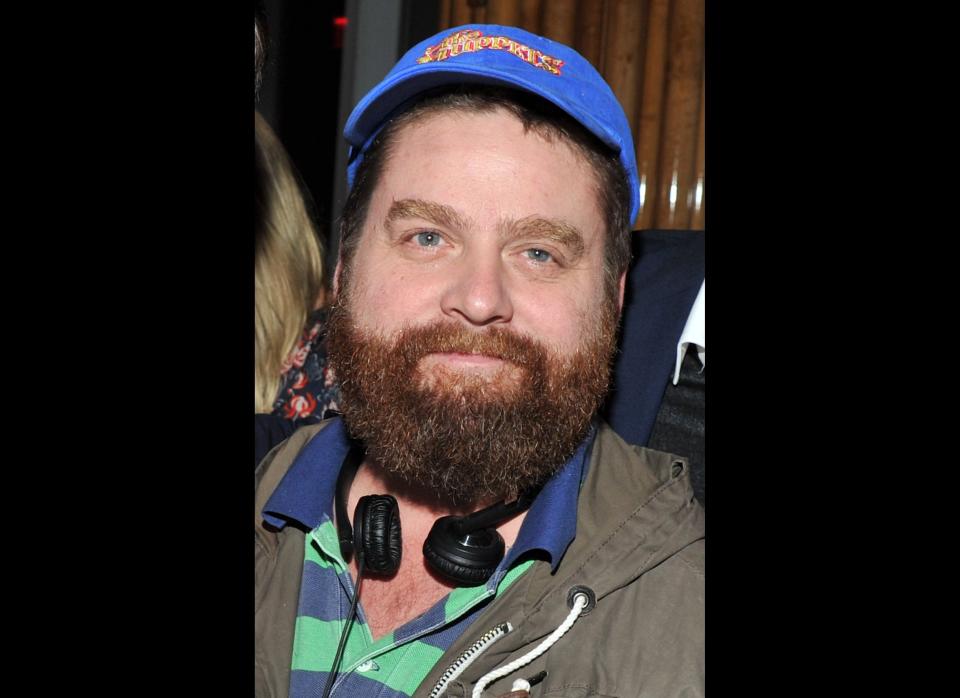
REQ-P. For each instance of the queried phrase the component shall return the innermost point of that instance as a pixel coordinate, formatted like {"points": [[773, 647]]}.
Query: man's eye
{"points": [[539, 255], [428, 239]]}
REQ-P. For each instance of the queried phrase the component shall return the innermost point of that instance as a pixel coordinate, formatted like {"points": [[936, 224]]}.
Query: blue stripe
{"points": [[446, 637], [312, 683], [317, 599]]}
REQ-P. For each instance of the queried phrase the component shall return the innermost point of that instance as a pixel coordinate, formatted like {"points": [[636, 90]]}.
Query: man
{"points": [[484, 247]]}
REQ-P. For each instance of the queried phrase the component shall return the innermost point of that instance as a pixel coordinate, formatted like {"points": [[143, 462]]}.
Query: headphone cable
{"points": [[346, 629]]}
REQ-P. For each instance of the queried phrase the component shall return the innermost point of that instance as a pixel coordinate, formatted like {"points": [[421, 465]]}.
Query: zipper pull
{"points": [[470, 654]]}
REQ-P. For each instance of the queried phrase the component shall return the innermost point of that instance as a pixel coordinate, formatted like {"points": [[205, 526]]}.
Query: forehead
{"points": [[487, 163]]}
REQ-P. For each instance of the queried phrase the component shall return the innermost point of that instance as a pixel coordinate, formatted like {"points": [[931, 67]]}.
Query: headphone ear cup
{"points": [[376, 532], [468, 559]]}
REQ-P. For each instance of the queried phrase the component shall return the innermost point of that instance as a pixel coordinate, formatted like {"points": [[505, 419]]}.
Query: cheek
{"points": [[558, 320], [386, 298]]}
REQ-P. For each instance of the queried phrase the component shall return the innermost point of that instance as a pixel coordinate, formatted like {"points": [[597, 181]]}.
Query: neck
{"points": [[391, 601]]}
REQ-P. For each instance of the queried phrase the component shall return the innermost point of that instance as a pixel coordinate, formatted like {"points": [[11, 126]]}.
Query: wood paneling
{"points": [[503, 12], [463, 12], [651, 53], [681, 114], [460, 13], [559, 21], [530, 15], [698, 215], [623, 53], [478, 12], [650, 113], [590, 28]]}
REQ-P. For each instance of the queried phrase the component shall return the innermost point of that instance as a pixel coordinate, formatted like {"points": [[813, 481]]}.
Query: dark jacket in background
{"points": [[644, 406]]}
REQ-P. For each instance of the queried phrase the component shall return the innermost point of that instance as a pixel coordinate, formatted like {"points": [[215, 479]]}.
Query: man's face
{"points": [[479, 224], [479, 273]]}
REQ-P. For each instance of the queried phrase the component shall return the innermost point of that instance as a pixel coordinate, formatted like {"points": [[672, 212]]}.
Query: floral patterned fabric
{"points": [[308, 387]]}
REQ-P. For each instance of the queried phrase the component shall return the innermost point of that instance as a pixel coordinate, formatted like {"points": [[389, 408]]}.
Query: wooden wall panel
{"points": [[443, 13], [463, 12], [651, 53], [649, 118], [559, 21], [503, 12], [681, 114], [591, 22], [478, 12], [530, 16], [698, 216], [623, 54], [460, 13]]}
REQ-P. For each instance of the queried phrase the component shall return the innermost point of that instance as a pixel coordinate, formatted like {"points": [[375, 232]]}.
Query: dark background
{"points": [[128, 488], [300, 89], [312, 50]]}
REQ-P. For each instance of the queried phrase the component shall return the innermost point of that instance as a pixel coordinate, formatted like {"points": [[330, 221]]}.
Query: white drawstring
{"points": [[580, 602]]}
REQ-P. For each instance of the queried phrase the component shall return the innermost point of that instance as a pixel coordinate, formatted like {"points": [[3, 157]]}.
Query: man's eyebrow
{"points": [[560, 232], [428, 210]]}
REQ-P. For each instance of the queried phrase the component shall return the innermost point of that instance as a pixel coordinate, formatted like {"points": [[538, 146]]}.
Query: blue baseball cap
{"points": [[491, 54]]}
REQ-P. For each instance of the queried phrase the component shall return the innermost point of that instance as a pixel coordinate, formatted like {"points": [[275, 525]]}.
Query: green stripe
{"points": [[405, 668], [462, 599], [315, 642]]}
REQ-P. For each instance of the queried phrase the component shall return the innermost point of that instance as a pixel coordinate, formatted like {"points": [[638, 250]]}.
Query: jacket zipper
{"points": [[465, 659]]}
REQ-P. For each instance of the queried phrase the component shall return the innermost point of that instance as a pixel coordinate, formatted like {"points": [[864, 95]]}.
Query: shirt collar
{"points": [[694, 332], [306, 492], [551, 522]]}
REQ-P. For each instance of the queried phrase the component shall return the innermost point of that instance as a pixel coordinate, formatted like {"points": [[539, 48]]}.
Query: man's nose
{"points": [[479, 293]]}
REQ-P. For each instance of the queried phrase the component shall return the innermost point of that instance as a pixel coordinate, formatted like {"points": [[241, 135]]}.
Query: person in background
{"points": [[659, 381], [290, 365], [292, 382]]}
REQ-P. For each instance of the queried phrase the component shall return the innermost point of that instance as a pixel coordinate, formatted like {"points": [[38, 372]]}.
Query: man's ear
{"points": [[623, 286]]}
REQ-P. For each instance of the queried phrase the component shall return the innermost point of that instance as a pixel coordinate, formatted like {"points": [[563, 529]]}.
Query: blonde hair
{"points": [[288, 265]]}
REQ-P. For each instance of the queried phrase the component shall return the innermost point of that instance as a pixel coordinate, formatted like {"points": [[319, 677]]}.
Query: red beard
{"points": [[469, 438]]}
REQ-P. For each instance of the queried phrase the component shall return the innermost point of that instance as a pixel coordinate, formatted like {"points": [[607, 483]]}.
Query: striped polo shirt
{"points": [[396, 664]]}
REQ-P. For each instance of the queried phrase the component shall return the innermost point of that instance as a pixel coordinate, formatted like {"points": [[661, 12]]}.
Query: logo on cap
{"points": [[472, 40]]}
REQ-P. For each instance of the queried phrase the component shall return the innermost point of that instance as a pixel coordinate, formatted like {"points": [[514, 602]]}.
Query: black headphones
{"points": [[464, 549]]}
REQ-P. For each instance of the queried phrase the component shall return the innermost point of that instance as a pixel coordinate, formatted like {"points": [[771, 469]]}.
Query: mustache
{"points": [[413, 343]]}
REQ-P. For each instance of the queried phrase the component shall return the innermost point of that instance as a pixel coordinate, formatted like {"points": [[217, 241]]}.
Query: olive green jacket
{"points": [[639, 547]]}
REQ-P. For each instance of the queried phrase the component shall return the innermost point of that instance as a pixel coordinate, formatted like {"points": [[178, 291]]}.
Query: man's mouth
{"points": [[456, 358], [461, 360]]}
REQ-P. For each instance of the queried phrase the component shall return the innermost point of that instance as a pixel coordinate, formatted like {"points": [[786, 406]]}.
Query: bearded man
{"points": [[484, 246]]}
